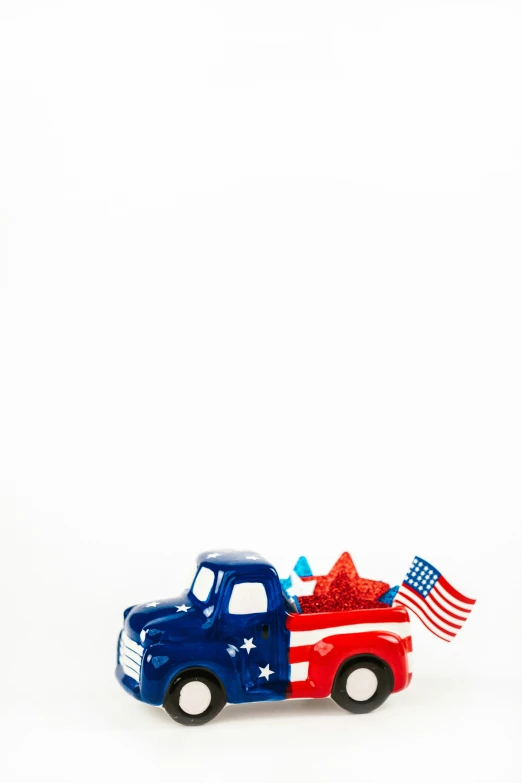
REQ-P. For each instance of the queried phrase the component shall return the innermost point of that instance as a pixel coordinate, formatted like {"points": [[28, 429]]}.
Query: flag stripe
{"points": [[437, 619], [406, 602], [455, 593], [440, 605], [442, 617], [421, 605], [440, 592]]}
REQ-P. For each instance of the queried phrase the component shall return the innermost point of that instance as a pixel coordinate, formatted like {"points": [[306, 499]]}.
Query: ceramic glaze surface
{"points": [[234, 636]]}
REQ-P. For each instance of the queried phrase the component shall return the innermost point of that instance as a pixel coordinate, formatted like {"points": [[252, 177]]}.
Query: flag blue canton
{"points": [[422, 577]]}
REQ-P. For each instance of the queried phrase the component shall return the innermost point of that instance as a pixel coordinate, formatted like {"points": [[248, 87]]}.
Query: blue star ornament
{"points": [[389, 597], [301, 568]]}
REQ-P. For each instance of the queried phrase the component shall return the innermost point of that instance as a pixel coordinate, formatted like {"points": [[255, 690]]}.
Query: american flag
{"points": [[441, 608]]}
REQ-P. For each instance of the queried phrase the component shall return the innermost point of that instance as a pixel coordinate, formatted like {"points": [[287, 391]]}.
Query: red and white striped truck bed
{"points": [[320, 642]]}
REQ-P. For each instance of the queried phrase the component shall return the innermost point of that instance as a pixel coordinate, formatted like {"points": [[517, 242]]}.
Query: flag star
{"points": [[213, 554], [182, 608], [252, 557], [153, 603], [248, 645], [266, 671]]}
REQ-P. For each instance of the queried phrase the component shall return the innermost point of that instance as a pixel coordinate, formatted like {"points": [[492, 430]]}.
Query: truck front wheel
{"points": [[362, 684], [194, 698]]}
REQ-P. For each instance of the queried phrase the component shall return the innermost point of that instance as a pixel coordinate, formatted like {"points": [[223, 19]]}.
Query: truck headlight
{"points": [[150, 636]]}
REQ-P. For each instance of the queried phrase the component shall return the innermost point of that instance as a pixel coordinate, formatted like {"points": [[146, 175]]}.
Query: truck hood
{"points": [[177, 616]]}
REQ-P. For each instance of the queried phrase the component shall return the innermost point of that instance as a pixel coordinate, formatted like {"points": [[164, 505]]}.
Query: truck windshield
{"points": [[203, 584]]}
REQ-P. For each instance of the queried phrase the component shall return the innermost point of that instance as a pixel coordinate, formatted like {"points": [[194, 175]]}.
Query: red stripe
{"points": [[453, 606], [420, 606], [455, 593], [446, 611], [320, 620], [412, 609], [299, 654], [442, 617], [423, 604], [408, 646], [300, 690]]}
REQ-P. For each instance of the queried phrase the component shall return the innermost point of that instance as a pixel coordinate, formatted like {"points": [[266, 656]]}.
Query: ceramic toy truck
{"points": [[235, 636]]}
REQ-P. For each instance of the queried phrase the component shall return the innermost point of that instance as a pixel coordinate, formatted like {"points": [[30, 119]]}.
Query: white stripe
{"points": [[130, 654], [137, 648], [301, 638], [447, 616], [432, 612], [409, 659], [438, 597], [299, 671], [443, 621], [444, 593], [131, 673], [410, 605]]}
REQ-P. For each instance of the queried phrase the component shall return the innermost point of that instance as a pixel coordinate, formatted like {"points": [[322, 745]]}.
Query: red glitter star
{"points": [[343, 589]]}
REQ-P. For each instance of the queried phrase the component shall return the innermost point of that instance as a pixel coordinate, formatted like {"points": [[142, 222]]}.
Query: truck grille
{"points": [[130, 656]]}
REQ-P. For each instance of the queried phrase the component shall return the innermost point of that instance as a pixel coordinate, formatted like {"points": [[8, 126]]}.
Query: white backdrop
{"points": [[260, 286]]}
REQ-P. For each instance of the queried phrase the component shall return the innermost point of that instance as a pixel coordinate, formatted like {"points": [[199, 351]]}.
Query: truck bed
{"points": [[319, 643], [384, 615]]}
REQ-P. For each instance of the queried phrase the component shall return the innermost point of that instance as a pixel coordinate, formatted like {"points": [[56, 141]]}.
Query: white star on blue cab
{"points": [[265, 672], [248, 645], [182, 608]]}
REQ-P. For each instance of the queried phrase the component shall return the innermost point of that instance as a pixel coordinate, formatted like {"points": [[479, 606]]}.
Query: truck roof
{"points": [[232, 558]]}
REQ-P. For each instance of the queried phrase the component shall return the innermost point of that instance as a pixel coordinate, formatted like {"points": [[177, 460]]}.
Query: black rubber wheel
{"points": [[194, 698], [362, 684]]}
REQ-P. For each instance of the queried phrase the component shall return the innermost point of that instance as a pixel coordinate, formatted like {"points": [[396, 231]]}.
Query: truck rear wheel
{"points": [[362, 684], [194, 698]]}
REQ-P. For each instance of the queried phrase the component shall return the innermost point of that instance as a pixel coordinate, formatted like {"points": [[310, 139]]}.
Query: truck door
{"points": [[250, 627]]}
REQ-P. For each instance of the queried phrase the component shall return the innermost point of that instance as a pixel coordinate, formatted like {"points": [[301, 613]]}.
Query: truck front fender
{"points": [[163, 662]]}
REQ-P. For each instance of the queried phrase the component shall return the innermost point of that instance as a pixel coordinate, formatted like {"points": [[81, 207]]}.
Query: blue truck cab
{"points": [[228, 629]]}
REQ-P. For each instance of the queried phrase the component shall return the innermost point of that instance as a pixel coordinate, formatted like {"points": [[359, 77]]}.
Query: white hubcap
{"points": [[194, 697], [361, 684]]}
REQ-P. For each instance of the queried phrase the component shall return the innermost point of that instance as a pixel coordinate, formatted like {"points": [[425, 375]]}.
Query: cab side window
{"points": [[248, 598]]}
